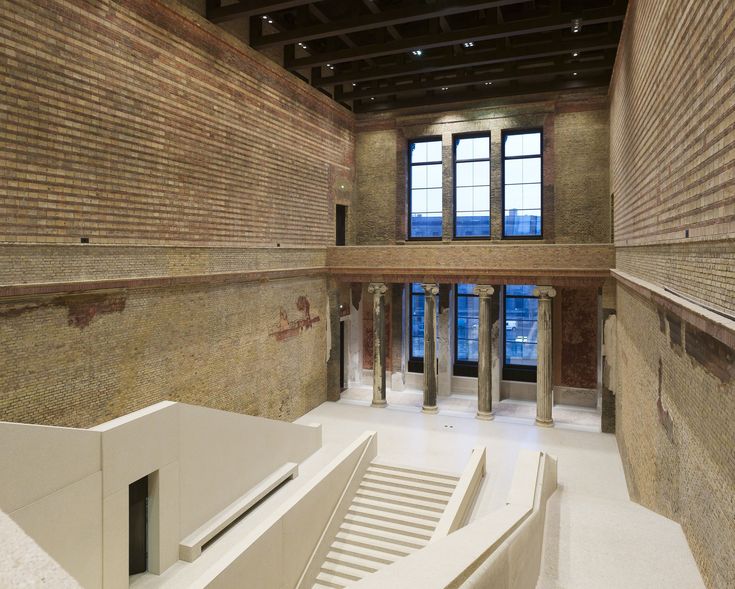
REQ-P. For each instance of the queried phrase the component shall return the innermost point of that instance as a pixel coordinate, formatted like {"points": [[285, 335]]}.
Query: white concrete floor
{"points": [[595, 536]]}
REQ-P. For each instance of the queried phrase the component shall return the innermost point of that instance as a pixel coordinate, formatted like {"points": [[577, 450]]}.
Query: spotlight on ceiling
{"points": [[445, 88], [488, 83], [417, 52], [575, 54], [469, 44], [576, 25]]}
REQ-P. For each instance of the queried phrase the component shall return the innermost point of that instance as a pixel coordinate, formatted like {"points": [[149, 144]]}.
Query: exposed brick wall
{"points": [[81, 360], [675, 429], [576, 188], [672, 123], [576, 332], [127, 122]]}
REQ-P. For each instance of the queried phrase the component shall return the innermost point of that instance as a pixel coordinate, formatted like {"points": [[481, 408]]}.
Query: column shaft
{"points": [[484, 354], [378, 290], [430, 292], [544, 372]]}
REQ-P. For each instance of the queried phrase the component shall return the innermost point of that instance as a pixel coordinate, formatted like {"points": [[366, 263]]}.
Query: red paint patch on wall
{"points": [[83, 309], [287, 329], [579, 337]]}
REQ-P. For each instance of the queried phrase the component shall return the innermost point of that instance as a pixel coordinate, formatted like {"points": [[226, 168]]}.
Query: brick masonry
{"points": [[576, 183], [140, 122], [675, 430], [672, 160]]}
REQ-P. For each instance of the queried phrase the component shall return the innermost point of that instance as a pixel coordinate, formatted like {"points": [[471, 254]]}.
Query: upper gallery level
{"points": [[534, 169]]}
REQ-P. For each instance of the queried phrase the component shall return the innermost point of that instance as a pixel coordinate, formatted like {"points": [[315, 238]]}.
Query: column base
{"points": [[380, 403], [430, 410], [544, 422], [485, 416]]}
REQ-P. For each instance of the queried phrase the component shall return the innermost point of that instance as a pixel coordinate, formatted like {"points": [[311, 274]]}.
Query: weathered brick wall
{"points": [[80, 360], [575, 333], [127, 122], [576, 200], [675, 431], [672, 134]]}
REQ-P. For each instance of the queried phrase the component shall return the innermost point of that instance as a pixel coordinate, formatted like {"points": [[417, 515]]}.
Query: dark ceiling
{"points": [[373, 55]]}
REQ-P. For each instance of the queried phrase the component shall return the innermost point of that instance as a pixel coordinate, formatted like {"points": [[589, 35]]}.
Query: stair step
{"points": [[388, 489], [400, 540], [381, 517], [416, 478], [322, 584], [362, 551], [340, 573], [411, 470], [414, 503], [399, 510], [405, 485], [376, 543], [355, 562], [387, 526]]}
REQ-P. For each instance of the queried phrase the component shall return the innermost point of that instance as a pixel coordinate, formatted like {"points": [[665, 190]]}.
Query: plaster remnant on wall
{"points": [[663, 414], [287, 329], [83, 309]]}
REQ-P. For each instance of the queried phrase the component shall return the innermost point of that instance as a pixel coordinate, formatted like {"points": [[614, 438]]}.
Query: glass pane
{"points": [[532, 169], [532, 196], [434, 201], [513, 172], [464, 149], [433, 176], [418, 152], [519, 290], [464, 175], [481, 174], [464, 199], [434, 151], [481, 199], [466, 289], [481, 147], [418, 201], [418, 176], [532, 144], [513, 145], [514, 197], [522, 223]]}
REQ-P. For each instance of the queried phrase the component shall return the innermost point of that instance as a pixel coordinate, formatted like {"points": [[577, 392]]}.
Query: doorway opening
{"points": [[138, 526], [341, 218]]}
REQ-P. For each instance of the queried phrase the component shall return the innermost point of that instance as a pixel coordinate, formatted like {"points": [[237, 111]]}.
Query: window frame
{"points": [[516, 372], [414, 364], [472, 135], [409, 195], [505, 133], [462, 367]]}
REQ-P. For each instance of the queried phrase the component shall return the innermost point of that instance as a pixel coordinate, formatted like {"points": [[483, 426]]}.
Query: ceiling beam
{"points": [[474, 59], [366, 22], [484, 93], [475, 34], [220, 14], [468, 78]]}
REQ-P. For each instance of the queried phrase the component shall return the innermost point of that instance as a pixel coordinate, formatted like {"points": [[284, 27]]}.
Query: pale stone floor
{"points": [[595, 537]]}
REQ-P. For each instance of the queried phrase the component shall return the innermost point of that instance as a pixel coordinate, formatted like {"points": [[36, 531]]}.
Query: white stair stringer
{"points": [[393, 513]]}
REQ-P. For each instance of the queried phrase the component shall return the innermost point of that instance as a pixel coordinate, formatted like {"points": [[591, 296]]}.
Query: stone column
{"points": [[484, 354], [544, 374], [430, 292], [378, 290]]}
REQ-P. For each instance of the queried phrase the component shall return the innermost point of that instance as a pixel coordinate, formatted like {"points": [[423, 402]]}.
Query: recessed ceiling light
{"points": [[575, 73], [445, 88], [372, 98], [576, 25], [265, 17], [270, 22], [575, 54], [488, 83], [469, 44], [417, 52]]}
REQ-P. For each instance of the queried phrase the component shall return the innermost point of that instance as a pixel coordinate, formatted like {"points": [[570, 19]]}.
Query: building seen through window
{"points": [[521, 332], [472, 186], [522, 178], [425, 189]]}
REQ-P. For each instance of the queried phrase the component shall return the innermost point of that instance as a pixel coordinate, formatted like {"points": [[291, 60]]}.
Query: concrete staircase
{"points": [[393, 513]]}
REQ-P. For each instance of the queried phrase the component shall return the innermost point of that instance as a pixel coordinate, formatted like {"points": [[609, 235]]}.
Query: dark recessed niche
{"points": [[84, 239]]}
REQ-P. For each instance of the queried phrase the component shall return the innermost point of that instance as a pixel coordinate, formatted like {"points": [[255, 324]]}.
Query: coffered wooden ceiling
{"points": [[373, 55]]}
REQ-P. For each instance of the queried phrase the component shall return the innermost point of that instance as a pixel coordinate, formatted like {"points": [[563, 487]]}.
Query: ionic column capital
{"points": [[430, 289], [484, 291], [379, 288], [544, 292]]}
